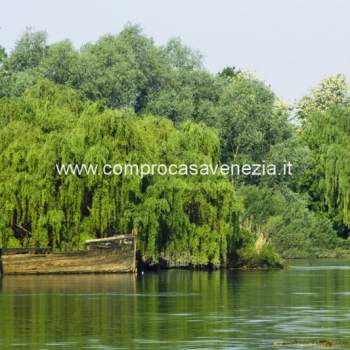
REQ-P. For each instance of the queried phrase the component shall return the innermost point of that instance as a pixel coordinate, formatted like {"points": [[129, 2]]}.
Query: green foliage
{"points": [[108, 72], [326, 115], [284, 218], [249, 120], [188, 221], [177, 218], [181, 56], [188, 95], [61, 63], [332, 91], [15, 84], [295, 151], [29, 51], [229, 72], [96, 104], [249, 257], [3, 54], [328, 136]]}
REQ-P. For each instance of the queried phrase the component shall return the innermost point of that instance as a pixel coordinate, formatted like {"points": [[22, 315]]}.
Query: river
{"points": [[177, 309]]}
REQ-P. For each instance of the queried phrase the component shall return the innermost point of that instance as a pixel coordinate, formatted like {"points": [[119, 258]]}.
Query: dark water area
{"points": [[289, 309]]}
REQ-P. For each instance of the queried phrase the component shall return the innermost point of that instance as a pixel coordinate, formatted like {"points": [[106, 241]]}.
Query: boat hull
{"points": [[86, 262]]}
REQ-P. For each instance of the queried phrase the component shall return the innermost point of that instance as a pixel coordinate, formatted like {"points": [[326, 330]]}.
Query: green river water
{"points": [[295, 308]]}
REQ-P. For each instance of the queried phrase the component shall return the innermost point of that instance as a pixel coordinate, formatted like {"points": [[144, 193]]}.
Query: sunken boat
{"points": [[115, 254]]}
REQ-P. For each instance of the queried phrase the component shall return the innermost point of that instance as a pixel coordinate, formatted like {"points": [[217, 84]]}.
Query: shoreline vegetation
{"points": [[125, 100]]}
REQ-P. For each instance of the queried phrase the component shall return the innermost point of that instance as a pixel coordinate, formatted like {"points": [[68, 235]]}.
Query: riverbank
{"points": [[109, 261], [337, 253], [118, 254]]}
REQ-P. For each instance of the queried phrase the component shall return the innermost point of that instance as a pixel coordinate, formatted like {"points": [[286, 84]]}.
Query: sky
{"points": [[290, 44]]}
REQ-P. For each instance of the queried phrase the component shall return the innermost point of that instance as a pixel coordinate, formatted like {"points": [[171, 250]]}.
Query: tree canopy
{"points": [[125, 99]]}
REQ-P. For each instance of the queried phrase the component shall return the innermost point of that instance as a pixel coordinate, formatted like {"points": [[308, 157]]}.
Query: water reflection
{"points": [[178, 309]]}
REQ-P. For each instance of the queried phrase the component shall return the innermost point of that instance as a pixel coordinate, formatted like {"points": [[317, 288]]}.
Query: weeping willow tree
{"points": [[179, 219], [325, 118], [328, 135]]}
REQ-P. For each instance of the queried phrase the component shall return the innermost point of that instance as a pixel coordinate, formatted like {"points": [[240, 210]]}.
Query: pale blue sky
{"points": [[291, 44]]}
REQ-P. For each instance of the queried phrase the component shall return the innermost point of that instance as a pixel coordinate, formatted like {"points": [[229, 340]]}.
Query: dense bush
{"points": [[283, 217]]}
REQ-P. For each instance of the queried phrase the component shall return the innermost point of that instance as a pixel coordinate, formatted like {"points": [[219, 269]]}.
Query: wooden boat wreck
{"points": [[115, 254]]}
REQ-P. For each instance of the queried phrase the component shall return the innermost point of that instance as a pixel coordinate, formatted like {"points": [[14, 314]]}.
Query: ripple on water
{"points": [[233, 311], [62, 344], [321, 267]]}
